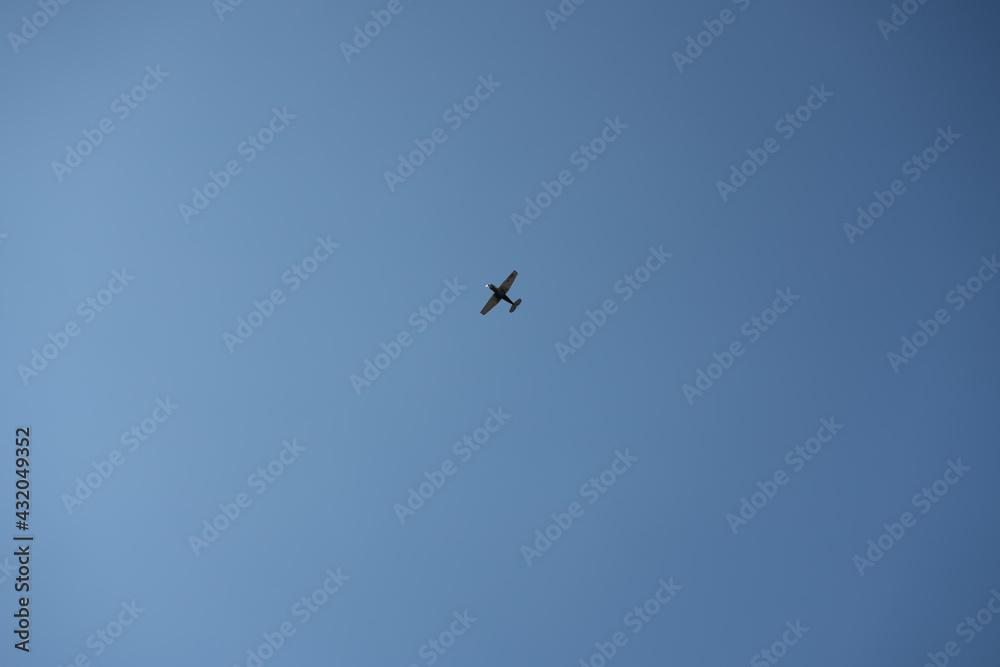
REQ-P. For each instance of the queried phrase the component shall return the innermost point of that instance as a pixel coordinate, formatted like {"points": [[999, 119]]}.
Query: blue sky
{"points": [[147, 421]]}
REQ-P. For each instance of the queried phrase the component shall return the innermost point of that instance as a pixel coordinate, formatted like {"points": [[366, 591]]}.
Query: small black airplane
{"points": [[500, 293]]}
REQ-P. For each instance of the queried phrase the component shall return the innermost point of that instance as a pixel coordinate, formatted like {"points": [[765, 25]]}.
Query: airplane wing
{"points": [[489, 304], [507, 283]]}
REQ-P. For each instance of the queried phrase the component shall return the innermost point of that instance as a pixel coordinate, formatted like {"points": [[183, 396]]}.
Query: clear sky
{"points": [[722, 383]]}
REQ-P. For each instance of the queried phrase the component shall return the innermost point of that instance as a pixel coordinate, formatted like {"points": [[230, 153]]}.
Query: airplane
{"points": [[500, 293]]}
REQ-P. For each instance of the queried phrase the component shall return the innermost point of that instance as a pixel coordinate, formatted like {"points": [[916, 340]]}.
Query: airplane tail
{"points": [[516, 304]]}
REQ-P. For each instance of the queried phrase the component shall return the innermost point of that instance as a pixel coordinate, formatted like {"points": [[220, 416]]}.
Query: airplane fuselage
{"points": [[500, 294]]}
